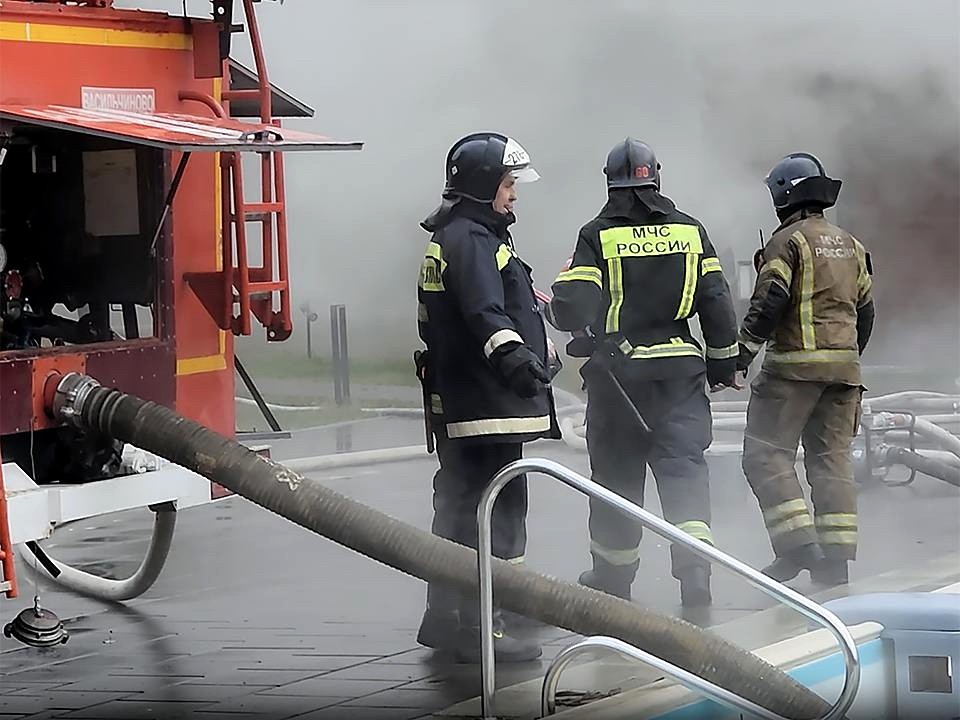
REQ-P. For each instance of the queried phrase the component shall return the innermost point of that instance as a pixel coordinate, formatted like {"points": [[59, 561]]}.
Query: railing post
{"points": [[341, 357]]}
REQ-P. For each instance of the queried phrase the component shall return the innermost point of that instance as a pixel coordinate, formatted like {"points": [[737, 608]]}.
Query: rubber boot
{"points": [[789, 565], [438, 629], [831, 572], [507, 648], [520, 623], [695, 587], [612, 579]]}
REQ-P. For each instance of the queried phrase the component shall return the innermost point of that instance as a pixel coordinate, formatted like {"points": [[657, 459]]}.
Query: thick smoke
{"points": [[721, 90]]}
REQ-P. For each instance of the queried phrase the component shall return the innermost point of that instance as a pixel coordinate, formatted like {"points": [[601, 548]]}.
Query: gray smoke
{"points": [[721, 90]]}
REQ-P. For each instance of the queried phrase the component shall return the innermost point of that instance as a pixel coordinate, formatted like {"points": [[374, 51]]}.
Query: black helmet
{"points": [[632, 164], [799, 181], [477, 164]]}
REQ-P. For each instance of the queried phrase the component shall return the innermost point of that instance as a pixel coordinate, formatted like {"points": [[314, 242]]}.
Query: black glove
{"points": [[721, 372], [521, 369], [582, 343], [745, 357], [554, 364]]}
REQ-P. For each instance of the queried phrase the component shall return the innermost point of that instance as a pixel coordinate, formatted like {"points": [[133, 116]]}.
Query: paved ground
{"points": [[256, 618]]}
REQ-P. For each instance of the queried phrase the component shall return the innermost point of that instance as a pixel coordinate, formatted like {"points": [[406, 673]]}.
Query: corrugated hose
{"points": [[81, 401]]}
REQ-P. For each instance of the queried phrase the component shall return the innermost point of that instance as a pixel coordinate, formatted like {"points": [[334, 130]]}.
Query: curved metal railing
{"points": [[780, 592], [548, 700]]}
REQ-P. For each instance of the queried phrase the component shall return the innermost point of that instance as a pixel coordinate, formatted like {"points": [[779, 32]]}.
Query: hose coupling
{"points": [[72, 391]]}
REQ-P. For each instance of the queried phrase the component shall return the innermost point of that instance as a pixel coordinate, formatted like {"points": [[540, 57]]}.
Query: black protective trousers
{"points": [[465, 471], [677, 411]]}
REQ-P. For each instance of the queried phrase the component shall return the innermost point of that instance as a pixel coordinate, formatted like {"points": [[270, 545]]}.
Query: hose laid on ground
{"points": [[361, 457], [80, 401], [926, 465], [946, 439], [143, 578], [284, 408]]}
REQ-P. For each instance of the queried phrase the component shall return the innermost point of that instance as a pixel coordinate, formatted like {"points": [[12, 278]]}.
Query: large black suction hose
{"points": [[80, 401]]}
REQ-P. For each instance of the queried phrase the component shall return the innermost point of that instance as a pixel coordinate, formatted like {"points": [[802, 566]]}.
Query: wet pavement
{"points": [[254, 617]]}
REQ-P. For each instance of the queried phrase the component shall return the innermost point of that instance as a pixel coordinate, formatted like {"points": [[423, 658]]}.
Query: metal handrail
{"points": [[785, 595], [548, 701]]}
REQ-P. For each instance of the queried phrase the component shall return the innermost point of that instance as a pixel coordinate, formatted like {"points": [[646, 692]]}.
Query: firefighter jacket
{"points": [[641, 269], [476, 299], [812, 303]]}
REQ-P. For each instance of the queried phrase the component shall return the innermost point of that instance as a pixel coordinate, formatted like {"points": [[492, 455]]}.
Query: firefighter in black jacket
{"points": [[485, 380], [640, 270]]}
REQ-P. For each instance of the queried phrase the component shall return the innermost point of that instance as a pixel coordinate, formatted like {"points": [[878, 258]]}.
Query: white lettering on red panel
{"points": [[135, 100]]}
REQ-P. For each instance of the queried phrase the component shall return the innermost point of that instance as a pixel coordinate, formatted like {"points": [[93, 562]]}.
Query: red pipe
{"points": [[207, 100], [259, 60]]}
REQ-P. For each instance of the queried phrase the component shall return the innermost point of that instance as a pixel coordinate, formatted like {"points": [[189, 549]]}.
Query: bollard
{"points": [[341, 358]]}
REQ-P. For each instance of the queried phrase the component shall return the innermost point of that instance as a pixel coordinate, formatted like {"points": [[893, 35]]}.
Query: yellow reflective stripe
{"points": [[677, 347], [503, 256], [431, 271], [710, 264], [779, 268], [724, 353], [436, 404], [697, 529], [422, 315], [498, 426], [585, 273], [499, 338], [784, 509], [842, 521], [812, 356], [689, 287], [615, 271], [615, 557], [791, 524], [838, 537], [650, 240], [806, 293], [435, 250]]}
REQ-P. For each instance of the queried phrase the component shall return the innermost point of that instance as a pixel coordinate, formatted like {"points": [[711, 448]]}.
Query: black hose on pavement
{"points": [[157, 429]]}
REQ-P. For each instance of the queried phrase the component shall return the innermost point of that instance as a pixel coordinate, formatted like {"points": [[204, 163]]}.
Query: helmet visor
{"points": [[524, 175], [516, 160]]}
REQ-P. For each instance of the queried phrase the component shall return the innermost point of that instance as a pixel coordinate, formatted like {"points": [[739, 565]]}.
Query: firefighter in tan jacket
{"points": [[813, 309]]}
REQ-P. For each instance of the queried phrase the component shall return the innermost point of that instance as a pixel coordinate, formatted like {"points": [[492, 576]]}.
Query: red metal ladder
{"points": [[254, 287]]}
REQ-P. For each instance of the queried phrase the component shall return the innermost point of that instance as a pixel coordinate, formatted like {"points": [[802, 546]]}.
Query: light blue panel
{"points": [[825, 677]]}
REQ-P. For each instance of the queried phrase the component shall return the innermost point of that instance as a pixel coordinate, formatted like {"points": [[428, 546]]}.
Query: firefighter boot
{"points": [[831, 572], [507, 647], [695, 587], [612, 579], [790, 564], [438, 628]]}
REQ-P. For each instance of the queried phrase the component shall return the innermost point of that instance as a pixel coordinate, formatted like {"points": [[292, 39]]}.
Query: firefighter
{"points": [[641, 269], [485, 375], [813, 309]]}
